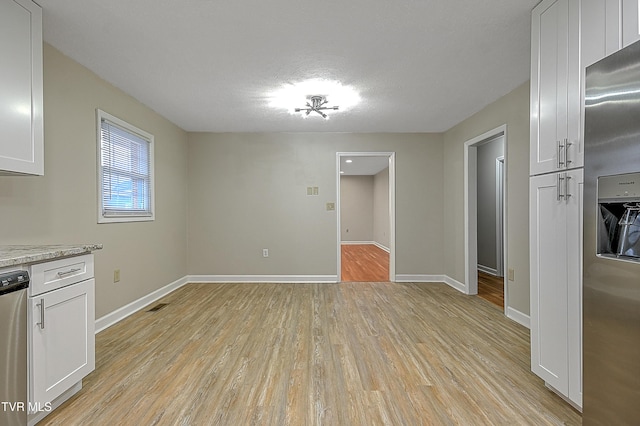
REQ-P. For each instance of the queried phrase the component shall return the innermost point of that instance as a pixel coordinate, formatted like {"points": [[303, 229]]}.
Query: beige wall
{"points": [[512, 110], [247, 191], [60, 207], [381, 224], [356, 208]]}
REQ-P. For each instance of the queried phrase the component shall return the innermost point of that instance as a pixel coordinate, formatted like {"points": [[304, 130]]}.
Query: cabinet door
{"points": [[574, 283], [549, 69], [630, 22], [548, 247], [21, 131], [62, 326]]}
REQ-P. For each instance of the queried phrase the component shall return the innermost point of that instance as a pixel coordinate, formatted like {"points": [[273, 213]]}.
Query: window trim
{"points": [[129, 216]]}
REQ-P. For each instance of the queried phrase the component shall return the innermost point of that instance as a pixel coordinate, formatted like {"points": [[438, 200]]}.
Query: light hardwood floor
{"points": [[315, 354], [364, 263]]}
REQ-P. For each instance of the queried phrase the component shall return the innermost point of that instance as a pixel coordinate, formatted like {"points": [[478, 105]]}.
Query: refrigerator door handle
{"points": [[567, 194]]}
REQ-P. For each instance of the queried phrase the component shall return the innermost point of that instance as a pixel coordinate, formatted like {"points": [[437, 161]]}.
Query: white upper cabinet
{"points": [[555, 87], [21, 123], [630, 22]]}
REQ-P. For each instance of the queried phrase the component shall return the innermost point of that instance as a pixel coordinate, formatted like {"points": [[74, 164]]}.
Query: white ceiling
{"points": [[419, 65]]}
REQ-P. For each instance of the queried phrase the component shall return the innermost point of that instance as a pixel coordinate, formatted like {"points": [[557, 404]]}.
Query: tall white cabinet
{"points": [[566, 37], [21, 122], [556, 290]]}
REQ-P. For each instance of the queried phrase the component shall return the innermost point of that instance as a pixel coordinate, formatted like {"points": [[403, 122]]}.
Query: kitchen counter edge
{"points": [[14, 255]]}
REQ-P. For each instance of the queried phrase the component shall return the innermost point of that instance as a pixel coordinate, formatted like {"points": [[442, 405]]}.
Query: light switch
{"points": [[315, 190], [309, 190], [511, 274]]}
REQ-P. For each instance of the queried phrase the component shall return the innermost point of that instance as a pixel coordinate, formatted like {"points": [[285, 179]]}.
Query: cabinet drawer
{"points": [[60, 273]]}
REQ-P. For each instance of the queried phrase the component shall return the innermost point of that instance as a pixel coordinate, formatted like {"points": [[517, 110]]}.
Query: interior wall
{"points": [[512, 110], [248, 192], [356, 208], [381, 222], [61, 206], [487, 197]]}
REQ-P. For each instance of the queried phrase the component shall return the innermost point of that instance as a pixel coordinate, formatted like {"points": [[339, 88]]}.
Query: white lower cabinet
{"points": [[62, 340], [61, 331], [556, 265]]}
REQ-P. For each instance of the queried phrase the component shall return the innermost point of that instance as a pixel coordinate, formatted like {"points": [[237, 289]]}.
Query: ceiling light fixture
{"points": [[291, 94], [317, 106]]}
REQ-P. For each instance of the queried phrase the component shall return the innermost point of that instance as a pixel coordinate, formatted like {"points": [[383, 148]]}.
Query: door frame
{"points": [[392, 208], [471, 210], [500, 213]]}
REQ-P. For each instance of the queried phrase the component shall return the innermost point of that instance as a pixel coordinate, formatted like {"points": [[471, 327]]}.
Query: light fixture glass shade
{"points": [[296, 95]]}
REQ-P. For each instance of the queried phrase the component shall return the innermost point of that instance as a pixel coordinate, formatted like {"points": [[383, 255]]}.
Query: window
{"points": [[125, 171]]}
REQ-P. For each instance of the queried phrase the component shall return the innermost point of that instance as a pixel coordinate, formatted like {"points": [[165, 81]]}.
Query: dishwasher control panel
{"points": [[12, 281]]}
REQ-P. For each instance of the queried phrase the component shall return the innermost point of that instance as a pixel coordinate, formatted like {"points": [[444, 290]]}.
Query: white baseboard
{"points": [[371, 243], [488, 270], [420, 278], [519, 317], [262, 278], [456, 284], [123, 312]]}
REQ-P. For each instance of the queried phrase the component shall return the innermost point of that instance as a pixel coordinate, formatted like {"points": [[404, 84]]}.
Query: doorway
{"points": [[365, 210], [485, 213]]}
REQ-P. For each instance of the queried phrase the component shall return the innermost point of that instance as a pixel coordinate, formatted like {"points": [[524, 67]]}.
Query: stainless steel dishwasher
{"points": [[13, 348]]}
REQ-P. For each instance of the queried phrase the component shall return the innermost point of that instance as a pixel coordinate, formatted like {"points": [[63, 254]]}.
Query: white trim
{"points": [[471, 205], [420, 278], [365, 243], [301, 279], [129, 216], [357, 243], [380, 246], [500, 215], [455, 284], [487, 270], [133, 307], [423, 278], [519, 317], [392, 209]]}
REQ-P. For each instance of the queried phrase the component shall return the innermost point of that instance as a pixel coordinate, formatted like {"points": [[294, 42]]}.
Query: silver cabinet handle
{"points": [[567, 144], [560, 162], [41, 323], [567, 194], [70, 271], [560, 195]]}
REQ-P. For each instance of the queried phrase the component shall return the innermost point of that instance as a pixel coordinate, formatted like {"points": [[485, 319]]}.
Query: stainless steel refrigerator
{"points": [[611, 263]]}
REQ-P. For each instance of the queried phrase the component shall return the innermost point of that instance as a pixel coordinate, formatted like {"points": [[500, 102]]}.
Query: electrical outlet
{"points": [[511, 274], [331, 206], [116, 276], [265, 252]]}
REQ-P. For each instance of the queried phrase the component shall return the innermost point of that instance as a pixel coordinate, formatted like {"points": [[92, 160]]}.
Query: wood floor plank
{"points": [[315, 354], [364, 263], [491, 288]]}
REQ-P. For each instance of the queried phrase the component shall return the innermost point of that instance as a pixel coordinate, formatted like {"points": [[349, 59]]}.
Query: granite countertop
{"points": [[27, 254]]}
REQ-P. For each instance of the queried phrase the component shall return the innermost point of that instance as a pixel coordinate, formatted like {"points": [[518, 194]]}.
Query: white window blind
{"points": [[126, 165]]}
